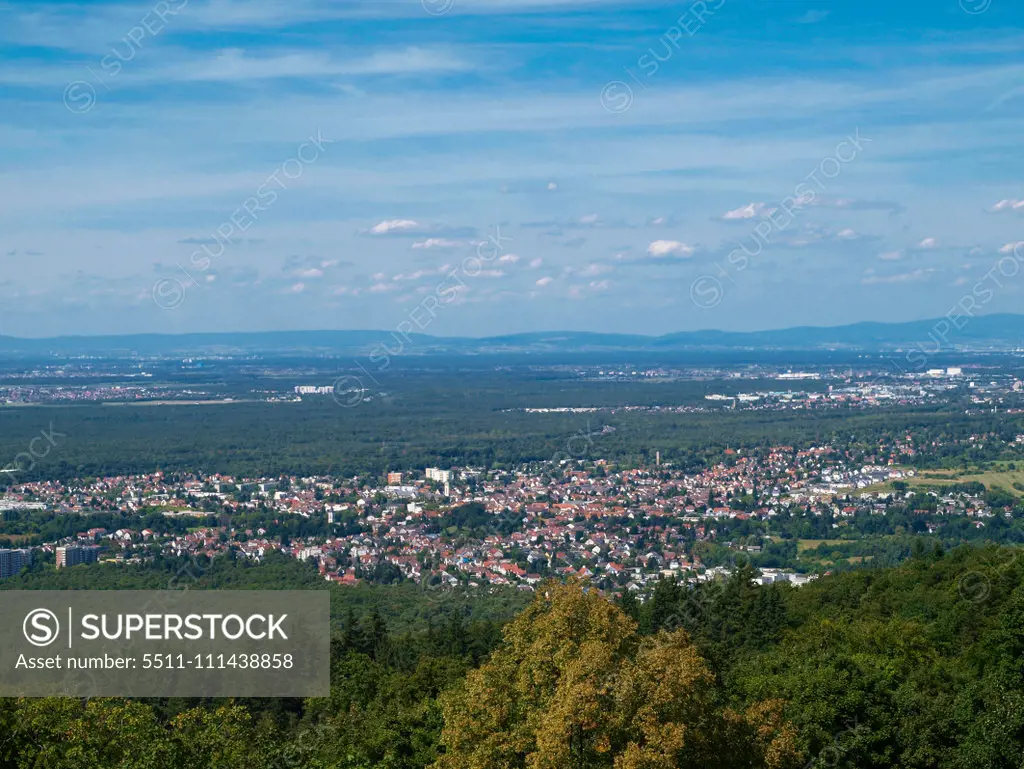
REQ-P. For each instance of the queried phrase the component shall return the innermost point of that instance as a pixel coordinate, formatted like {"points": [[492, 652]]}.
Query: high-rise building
{"points": [[72, 555], [441, 476], [13, 561]]}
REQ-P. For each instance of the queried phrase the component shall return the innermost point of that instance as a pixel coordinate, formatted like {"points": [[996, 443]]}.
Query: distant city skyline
{"points": [[492, 167]]}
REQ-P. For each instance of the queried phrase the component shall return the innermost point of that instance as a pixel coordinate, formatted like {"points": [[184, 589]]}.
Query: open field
{"points": [[17, 538], [1003, 475], [810, 544]]}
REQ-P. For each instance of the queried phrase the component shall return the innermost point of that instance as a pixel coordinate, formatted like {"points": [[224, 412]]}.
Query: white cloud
{"points": [[928, 244], [749, 211], [435, 243], [1011, 204], [662, 221], [812, 17], [1012, 248], [535, 263], [903, 277], [297, 288], [649, 173], [509, 258], [661, 248], [552, 186], [412, 275], [394, 225], [411, 60], [228, 65], [432, 234], [232, 64], [312, 272], [544, 281], [890, 256]]}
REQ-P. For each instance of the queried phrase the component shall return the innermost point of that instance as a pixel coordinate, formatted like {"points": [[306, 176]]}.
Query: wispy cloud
{"points": [[444, 126], [410, 228], [812, 17], [749, 211], [901, 277], [669, 248], [1009, 204]]}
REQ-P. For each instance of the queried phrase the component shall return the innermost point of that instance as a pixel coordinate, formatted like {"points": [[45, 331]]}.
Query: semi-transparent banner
{"points": [[165, 643]]}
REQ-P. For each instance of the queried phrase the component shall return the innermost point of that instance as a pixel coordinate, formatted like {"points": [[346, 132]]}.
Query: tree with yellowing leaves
{"points": [[574, 686]]}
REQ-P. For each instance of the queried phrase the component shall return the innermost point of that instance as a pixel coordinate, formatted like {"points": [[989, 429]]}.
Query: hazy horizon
{"points": [[513, 333]]}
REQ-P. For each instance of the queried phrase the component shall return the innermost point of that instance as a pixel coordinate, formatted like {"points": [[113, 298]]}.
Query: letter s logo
{"points": [[41, 627]]}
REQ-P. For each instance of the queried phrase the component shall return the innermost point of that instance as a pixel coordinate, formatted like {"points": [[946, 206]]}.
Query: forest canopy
{"points": [[914, 666]]}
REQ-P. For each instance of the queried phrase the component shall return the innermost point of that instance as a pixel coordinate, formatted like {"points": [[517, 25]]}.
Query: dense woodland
{"points": [[402, 606], [913, 666], [436, 421]]}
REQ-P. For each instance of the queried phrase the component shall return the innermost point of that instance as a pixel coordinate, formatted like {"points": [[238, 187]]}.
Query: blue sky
{"points": [[623, 165]]}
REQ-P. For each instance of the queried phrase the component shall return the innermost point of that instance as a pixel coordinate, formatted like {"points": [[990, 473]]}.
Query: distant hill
{"points": [[986, 332]]}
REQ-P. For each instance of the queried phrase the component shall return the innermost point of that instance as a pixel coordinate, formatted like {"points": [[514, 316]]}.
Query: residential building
{"points": [[72, 555], [13, 561], [440, 476]]}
